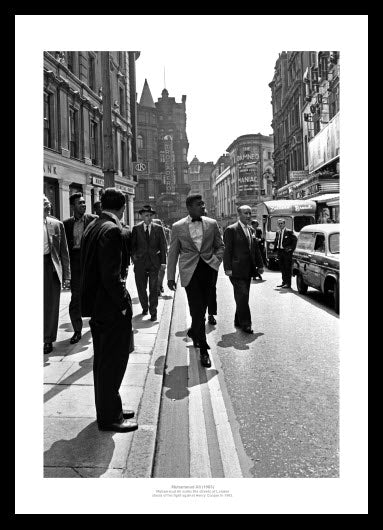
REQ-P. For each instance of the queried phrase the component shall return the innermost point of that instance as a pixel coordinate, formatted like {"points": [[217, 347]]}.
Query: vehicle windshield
{"points": [[306, 241], [301, 221], [334, 243], [273, 223]]}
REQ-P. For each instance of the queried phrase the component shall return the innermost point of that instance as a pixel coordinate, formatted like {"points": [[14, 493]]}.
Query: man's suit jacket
{"points": [[239, 257], [126, 249], [59, 248], [183, 246], [69, 223], [289, 241], [103, 292], [155, 251]]}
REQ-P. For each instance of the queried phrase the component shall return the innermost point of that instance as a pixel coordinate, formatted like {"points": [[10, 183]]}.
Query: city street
{"points": [[268, 406]]}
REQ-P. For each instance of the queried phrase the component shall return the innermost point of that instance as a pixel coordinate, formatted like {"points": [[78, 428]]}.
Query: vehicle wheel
{"points": [[301, 285], [336, 298]]}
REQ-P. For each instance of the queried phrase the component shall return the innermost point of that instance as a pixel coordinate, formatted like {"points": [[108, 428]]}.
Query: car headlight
{"points": [[271, 245]]}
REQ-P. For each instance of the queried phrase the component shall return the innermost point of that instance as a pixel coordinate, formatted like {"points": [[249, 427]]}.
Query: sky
{"points": [[223, 63], [227, 92]]}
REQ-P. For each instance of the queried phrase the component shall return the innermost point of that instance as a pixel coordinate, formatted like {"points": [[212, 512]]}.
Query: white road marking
{"points": [[199, 453]]}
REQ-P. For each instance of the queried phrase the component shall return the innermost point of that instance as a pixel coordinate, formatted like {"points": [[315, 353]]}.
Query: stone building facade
{"points": [[252, 170], [314, 172], [73, 127], [199, 178], [162, 148]]}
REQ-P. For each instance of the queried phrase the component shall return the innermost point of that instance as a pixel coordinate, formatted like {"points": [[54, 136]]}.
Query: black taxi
{"points": [[316, 260]]}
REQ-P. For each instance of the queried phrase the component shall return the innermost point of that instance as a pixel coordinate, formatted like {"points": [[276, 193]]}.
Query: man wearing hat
{"points": [[149, 256]]}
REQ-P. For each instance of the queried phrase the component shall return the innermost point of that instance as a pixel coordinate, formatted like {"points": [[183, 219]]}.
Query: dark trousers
{"points": [[197, 292], [111, 345], [74, 304], [142, 274], [241, 296], [52, 290], [212, 299], [285, 264]]}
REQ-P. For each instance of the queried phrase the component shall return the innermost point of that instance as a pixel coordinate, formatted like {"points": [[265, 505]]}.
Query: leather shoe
{"points": [[205, 359], [128, 414], [153, 318], [195, 341], [124, 426], [237, 324], [47, 347], [247, 329], [76, 337], [144, 311], [211, 320]]}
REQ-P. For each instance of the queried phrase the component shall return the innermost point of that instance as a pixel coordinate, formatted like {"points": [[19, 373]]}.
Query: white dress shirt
{"points": [[281, 238], [245, 228], [196, 231]]}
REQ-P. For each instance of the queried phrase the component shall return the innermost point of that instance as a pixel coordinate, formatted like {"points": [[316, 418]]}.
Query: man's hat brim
{"points": [[146, 210]]}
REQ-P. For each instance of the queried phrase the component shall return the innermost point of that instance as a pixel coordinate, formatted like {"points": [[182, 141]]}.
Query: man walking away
{"points": [[285, 243], [56, 273], [74, 229], [149, 256], [196, 241], [105, 299], [242, 260]]}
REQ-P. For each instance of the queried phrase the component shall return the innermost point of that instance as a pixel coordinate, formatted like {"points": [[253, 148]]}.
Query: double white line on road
{"points": [[200, 465]]}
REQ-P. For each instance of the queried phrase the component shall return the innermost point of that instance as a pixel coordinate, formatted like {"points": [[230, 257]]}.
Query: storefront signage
{"points": [[325, 146], [97, 181], [248, 157], [170, 180], [247, 180], [50, 169], [141, 167], [295, 176], [125, 189]]}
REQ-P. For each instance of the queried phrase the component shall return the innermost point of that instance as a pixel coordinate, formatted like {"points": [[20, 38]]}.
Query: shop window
{"points": [[73, 132], [47, 120], [91, 72]]}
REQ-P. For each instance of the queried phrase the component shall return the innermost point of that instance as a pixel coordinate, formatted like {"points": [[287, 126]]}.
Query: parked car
{"points": [[316, 260]]}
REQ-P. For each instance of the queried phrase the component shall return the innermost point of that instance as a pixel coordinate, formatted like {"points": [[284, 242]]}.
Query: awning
{"points": [[325, 198]]}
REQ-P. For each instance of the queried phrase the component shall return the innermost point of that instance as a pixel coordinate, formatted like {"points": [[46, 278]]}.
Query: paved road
{"points": [[268, 406]]}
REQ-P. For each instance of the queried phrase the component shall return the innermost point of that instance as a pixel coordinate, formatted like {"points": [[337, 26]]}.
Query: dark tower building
{"points": [[162, 147]]}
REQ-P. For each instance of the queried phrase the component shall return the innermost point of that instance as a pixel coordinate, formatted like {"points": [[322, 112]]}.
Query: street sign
{"points": [[141, 167]]}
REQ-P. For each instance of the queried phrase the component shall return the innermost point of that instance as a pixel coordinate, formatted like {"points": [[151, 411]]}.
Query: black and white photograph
{"points": [[199, 344]]}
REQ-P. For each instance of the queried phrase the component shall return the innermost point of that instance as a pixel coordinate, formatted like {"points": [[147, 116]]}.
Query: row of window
{"points": [[74, 135]]}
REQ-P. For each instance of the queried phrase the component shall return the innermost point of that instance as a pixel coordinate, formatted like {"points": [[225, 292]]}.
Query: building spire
{"points": [[146, 96]]}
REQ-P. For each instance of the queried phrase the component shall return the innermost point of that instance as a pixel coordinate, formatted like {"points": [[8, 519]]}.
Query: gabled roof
{"points": [[146, 97]]}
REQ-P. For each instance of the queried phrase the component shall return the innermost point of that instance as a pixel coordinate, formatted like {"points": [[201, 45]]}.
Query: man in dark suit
{"points": [[74, 228], [261, 242], [56, 273], [242, 260], [198, 244], [148, 255], [105, 299], [285, 243]]}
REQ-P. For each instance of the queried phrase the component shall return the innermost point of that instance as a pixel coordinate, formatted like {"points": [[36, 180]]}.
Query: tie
{"points": [[194, 219], [280, 239], [147, 234]]}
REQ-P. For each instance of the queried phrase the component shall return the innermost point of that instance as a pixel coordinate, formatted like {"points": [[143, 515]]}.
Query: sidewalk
{"points": [[73, 445]]}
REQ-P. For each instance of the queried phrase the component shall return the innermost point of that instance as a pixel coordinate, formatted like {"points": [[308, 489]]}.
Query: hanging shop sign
{"points": [[170, 178], [325, 146]]}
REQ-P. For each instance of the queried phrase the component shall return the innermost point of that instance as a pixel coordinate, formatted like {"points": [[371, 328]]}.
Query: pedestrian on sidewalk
{"points": [[74, 229], [242, 260], [56, 273], [149, 256], [105, 299], [161, 272], [261, 243], [285, 243], [196, 241]]}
